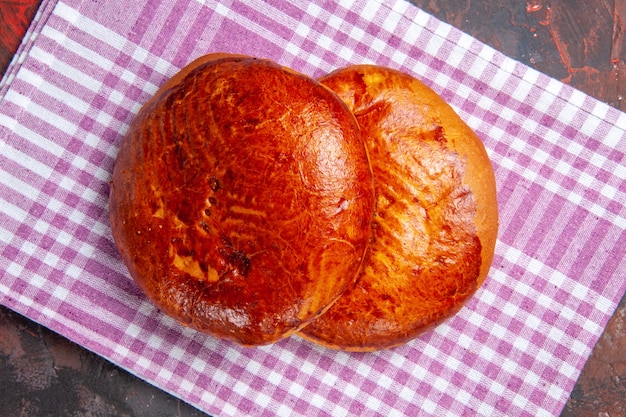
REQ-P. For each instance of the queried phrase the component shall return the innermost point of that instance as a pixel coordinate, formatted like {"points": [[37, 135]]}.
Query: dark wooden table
{"points": [[579, 42]]}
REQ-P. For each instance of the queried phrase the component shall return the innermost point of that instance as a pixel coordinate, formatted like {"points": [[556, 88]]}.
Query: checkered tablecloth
{"points": [[516, 349]]}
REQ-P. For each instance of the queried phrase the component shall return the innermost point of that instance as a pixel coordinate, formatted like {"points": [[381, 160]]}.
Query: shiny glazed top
{"points": [[241, 199], [436, 213]]}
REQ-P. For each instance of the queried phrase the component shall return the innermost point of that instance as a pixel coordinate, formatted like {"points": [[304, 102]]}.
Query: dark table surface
{"points": [[579, 42]]}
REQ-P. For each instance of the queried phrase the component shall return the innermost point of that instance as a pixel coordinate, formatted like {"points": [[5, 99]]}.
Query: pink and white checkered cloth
{"points": [[516, 349]]}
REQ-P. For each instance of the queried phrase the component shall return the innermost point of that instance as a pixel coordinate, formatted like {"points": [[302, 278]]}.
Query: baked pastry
{"points": [[436, 219], [241, 198]]}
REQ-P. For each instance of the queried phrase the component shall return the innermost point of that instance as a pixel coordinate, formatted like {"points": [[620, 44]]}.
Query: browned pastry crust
{"points": [[436, 219], [241, 198]]}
